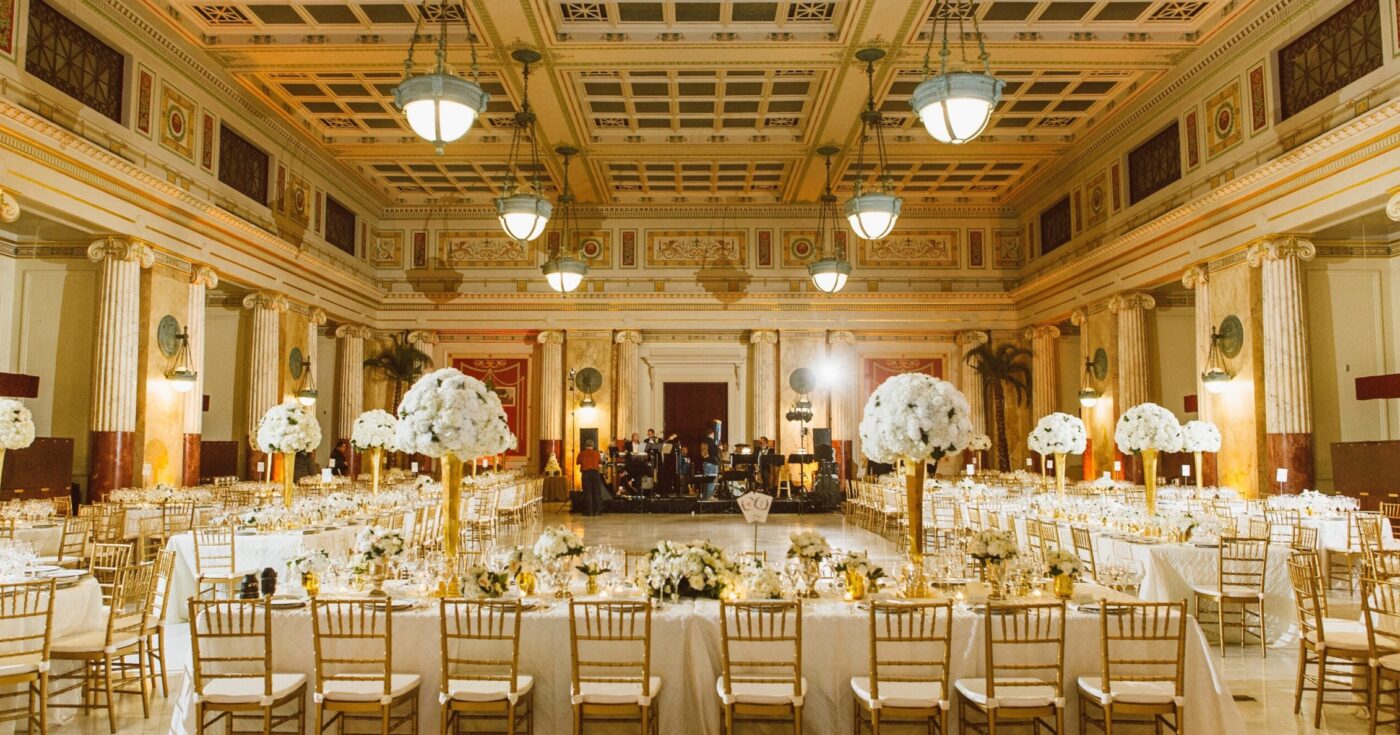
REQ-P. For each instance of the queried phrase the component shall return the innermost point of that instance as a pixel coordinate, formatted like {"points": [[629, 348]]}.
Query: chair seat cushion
{"points": [[1391, 662], [1230, 592], [919, 694], [616, 692], [94, 641], [481, 690], [1130, 692], [19, 665], [1347, 638], [250, 690], [1011, 692], [369, 690], [755, 692]]}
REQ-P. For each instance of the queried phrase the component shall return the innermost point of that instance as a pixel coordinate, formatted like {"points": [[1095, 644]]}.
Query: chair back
{"points": [[160, 590], [214, 551], [106, 561], [1259, 529], [1305, 573], [354, 641], [1281, 524], [610, 642], [910, 642], [26, 621], [1143, 642], [1084, 549], [761, 643], [72, 546], [130, 602], [176, 517], [231, 639], [481, 640], [1304, 538], [7, 529], [1380, 609], [1024, 643], [1243, 562]]}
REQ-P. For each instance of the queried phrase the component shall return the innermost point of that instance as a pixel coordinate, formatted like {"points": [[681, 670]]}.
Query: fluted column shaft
{"points": [[970, 381], [845, 422], [765, 383], [1134, 369], [349, 382], [1287, 394], [1197, 277], [115, 364], [314, 321], [628, 369], [264, 362], [202, 278], [1045, 369], [551, 396]]}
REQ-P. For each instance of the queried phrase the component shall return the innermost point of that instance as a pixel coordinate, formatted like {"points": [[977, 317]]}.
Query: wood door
{"points": [[691, 408]]}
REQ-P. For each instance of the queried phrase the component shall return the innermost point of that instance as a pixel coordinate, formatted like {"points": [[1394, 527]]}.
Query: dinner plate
{"points": [[1093, 608], [44, 525], [398, 603], [65, 574], [247, 532], [287, 603], [44, 568]]}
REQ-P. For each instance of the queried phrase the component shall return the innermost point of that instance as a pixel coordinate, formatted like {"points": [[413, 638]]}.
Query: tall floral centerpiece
{"points": [[453, 417], [915, 418], [1198, 437], [1059, 434], [16, 428], [1147, 429], [979, 445], [286, 429], [373, 433]]}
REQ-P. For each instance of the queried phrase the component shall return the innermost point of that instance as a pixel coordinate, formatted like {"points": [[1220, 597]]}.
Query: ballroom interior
{"points": [[674, 215]]}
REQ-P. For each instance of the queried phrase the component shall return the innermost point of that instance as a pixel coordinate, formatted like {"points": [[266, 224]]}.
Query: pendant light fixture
{"points": [[955, 106], [872, 215], [440, 106], [1088, 394], [564, 272], [1215, 377], [830, 271], [523, 215], [182, 375], [306, 387]]}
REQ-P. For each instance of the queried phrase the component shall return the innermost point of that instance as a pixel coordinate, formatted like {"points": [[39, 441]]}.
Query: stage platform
{"points": [[688, 505]]}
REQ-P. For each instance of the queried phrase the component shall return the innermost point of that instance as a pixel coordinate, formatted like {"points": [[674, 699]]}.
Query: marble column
{"points": [[845, 414], [349, 382], [202, 278], [1197, 278], [314, 321], [765, 383], [628, 372], [1134, 366], [970, 381], [1045, 369], [112, 441], [265, 366], [1080, 318], [551, 396], [424, 340], [1287, 394]]}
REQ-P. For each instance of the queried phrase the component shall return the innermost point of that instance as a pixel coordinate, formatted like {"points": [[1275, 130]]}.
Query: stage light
{"points": [[829, 373]]}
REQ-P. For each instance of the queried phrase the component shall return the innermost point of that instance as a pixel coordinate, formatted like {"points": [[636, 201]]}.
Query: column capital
{"points": [[1041, 331], [352, 331], [973, 338], [841, 337], [317, 316], [551, 337], [265, 300], [1392, 207], [763, 337], [1079, 317], [203, 275], [9, 208], [1195, 276], [1279, 248], [423, 336], [122, 249], [1129, 300], [628, 336]]}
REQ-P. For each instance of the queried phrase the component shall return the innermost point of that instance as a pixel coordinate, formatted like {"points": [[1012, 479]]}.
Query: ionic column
{"points": [[628, 370], [765, 383], [1197, 277], [423, 340], [314, 321], [1080, 318], [1287, 395], [551, 396], [970, 381], [265, 362], [1134, 370], [845, 422], [114, 384], [349, 381], [202, 278], [1045, 370]]}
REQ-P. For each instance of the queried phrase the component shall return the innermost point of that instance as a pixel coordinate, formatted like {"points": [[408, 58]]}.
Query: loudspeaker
{"points": [[821, 438], [587, 435]]}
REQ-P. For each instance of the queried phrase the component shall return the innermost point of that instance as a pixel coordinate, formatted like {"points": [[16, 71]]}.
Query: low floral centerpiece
{"points": [[1145, 430], [524, 568], [1198, 437], [1058, 434], [697, 569], [1063, 568], [992, 549], [309, 566], [861, 574], [556, 548], [374, 549], [759, 582], [373, 433], [810, 549], [482, 581], [287, 429]]}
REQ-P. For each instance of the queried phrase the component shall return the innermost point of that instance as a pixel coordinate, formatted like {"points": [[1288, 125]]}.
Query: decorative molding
{"points": [[794, 211], [1044, 331], [122, 249], [1392, 207], [1279, 248], [841, 337], [316, 316], [9, 208], [266, 300], [1079, 317], [973, 338], [423, 337]]}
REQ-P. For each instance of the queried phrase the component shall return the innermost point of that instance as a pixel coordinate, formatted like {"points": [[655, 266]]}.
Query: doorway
{"points": [[689, 409]]}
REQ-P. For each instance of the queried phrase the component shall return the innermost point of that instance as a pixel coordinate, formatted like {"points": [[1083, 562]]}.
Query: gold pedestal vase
{"points": [[289, 466], [1200, 476], [451, 584], [376, 460], [914, 506], [1149, 479], [1060, 475]]}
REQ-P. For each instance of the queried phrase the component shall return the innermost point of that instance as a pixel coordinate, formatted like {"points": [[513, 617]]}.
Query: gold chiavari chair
{"points": [[1259, 528], [610, 645], [1083, 542], [630, 560], [1380, 610], [1327, 647], [154, 629], [1024, 662], [1391, 512], [62, 506], [231, 653], [73, 544], [1143, 645], [176, 517], [1384, 564], [1239, 584], [216, 558], [26, 619], [481, 677], [150, 537], [1281, 524], [107, 656], [7, 529], [1343, 561], [106, 561], [1304, 538], [910, 651], [1369, 525], [761, 677], [355, 680]]}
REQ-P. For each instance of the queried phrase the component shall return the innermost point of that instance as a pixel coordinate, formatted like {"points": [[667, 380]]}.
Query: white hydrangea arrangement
{"points": [[1312, 502], [310, 562], [262, 515], [1200, 436], [858, 563], [1148, 426], [16, 425], [557, 543], [758, 582], [449, 412], [696, 569], [374, 430], [287, 428], [375, 543], [980, 443], [1058, 433], [522, 560], [915, 416], [808, 546], [1059, 562], [481, 581], [991, 545]]}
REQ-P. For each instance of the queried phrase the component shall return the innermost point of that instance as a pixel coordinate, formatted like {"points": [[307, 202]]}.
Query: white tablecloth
{"points": [[45, 538], [686, 655]]}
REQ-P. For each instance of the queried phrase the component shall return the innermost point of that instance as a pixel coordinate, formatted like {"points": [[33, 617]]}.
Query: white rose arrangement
{"points": [[16, 425], [522, 560], [310, 562], [374, 430], [1200, 436], [448, 412], [858, 563], [980, 443], [1059, 562], [758, 582], [557, 543], [696, 569], [484, 582], [288, 427], [1148, 426], [915, 416], [808, 546], [1058, 433], [993, 546], [375, 543]]}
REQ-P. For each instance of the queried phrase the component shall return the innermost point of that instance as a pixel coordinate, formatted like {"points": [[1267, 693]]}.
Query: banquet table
{"points": [[45, 538], [686, 655]]}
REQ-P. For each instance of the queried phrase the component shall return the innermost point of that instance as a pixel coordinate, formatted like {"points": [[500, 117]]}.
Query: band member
{"points": [[652, 441], [590, 463], [340, 457], [709, 462], [632, 445]]}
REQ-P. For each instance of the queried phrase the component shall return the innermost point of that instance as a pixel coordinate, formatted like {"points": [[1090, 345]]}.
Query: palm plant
{"points": [[402, 364], [1001, 365]]}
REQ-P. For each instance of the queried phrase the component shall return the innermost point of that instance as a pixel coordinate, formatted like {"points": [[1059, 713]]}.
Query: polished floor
{"points": [[1263, 687]]}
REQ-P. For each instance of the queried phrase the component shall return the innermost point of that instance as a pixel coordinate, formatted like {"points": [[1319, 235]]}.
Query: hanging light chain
{"points": [[413, 41]]}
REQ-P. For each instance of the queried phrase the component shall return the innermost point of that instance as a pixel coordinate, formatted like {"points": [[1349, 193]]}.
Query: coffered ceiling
{"points": [[700, 101]]}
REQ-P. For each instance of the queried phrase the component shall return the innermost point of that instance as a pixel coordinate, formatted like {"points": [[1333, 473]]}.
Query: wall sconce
{"points": [[1215, 377], [182, 375], [1088, 394], [587, 410], [306, 388], [587, 381]]}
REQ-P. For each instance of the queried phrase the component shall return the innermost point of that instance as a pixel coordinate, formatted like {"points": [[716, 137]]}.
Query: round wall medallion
{"points": [[294, 365], [1231, 336], [802, 381], [1100, 364], [588, 380], [168, 335]]}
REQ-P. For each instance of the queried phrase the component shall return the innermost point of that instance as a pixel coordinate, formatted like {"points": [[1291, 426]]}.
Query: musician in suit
{"points": [[765, 474], [652, 441], [709, 462]]}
